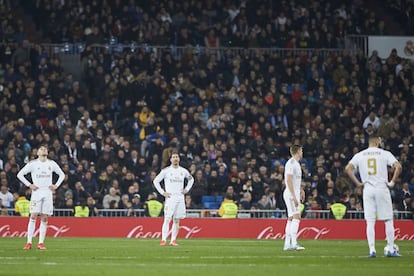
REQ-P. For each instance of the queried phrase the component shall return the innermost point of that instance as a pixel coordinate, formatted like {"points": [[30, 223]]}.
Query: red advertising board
{"points": [[203, 228]]}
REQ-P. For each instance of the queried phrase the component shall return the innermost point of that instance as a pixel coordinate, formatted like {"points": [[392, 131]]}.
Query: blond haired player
{"points": [[41, 201], [372, 164], [293, 195]]}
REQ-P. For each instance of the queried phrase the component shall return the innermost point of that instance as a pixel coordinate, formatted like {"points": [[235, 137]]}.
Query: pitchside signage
{"points": [[143, 228]]}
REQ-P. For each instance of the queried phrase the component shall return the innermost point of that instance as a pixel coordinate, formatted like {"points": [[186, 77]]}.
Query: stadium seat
{"points": [[208, 199], [211, 205], [209, 202]]}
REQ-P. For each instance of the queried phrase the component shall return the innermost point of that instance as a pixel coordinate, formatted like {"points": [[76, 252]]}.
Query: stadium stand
{"points": [[112, 86]]}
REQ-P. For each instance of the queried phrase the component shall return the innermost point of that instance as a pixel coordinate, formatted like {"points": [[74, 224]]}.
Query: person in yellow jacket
{"points": [[153, 208], [228, 208], [338, 210], [22, 205], [81, 210]]}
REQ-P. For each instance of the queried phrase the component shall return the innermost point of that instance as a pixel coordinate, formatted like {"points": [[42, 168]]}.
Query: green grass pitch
{"points": [[213, 257]]}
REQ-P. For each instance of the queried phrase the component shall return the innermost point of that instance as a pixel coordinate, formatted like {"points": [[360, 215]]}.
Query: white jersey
{"points": [[174, 181], [372, 165], [42, 174], [293, 168], [6, 199]]}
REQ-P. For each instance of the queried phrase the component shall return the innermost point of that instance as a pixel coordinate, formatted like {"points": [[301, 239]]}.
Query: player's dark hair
{"points": [[44, 145], [174, 151]]}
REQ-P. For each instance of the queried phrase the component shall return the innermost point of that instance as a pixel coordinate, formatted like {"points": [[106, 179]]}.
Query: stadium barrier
{"points": [[177, 52], [245, 214], [139, 227]]}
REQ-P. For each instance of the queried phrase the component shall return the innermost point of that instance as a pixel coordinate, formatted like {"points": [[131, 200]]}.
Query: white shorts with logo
{"points": [[174, 207], [377, 203], [41, 202], [290, 205]]}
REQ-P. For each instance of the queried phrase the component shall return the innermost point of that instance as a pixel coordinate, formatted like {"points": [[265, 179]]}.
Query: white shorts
{"points": [[377, 203], [41, 202], [290, 205], [174, 208]]}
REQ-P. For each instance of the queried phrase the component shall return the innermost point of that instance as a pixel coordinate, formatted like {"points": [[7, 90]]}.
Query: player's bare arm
{"points": [[302, 195], [397, 170], [349, 169]]}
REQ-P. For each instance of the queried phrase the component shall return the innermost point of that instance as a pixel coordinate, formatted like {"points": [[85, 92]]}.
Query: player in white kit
{"points": [[41, 201], [174, 177], [293, 195], [372, 164]]}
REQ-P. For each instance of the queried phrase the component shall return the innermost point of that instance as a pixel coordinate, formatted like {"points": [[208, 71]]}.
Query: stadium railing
{"points": [[177, 51], [242, 214]]}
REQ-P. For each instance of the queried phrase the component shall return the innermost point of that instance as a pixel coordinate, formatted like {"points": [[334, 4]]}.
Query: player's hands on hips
{"points": [[33, 187], [184, 191], [295, 202], [391, 184], [53, 187], [166, 195]]}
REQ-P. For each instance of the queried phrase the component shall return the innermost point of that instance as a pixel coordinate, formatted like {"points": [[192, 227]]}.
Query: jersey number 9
{"points": [[372, 166]]}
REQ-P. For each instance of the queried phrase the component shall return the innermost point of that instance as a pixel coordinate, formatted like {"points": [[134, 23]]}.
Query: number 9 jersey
{"points": [[372, 164]]}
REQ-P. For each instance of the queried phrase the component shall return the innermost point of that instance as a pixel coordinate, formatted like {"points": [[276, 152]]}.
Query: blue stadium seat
{"points": [[207, 199], [210, 202], [211, 205], [219, 199]]}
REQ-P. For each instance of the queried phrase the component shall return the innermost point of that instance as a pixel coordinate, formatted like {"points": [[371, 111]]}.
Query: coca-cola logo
{"points": [[402, 237], [306, 232], [139, 232], [53, 231]]}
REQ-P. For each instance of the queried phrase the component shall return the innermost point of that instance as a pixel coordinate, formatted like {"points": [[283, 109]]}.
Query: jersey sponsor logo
{"points": [[42, 175]]}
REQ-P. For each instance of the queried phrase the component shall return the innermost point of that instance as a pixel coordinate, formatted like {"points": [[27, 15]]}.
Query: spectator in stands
{"points": [[81, 210], [136, 202], [22, 205], [118, 69], [406, 206], [153, 207], [200, 187], [78, 193], [228, 208], [93, 207], [111, 196], [6, 196], [189, 203]]}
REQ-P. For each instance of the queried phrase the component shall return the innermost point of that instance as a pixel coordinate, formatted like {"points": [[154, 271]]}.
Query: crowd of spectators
{"points": [[232, 116], [234, 23], [402, 11]]}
